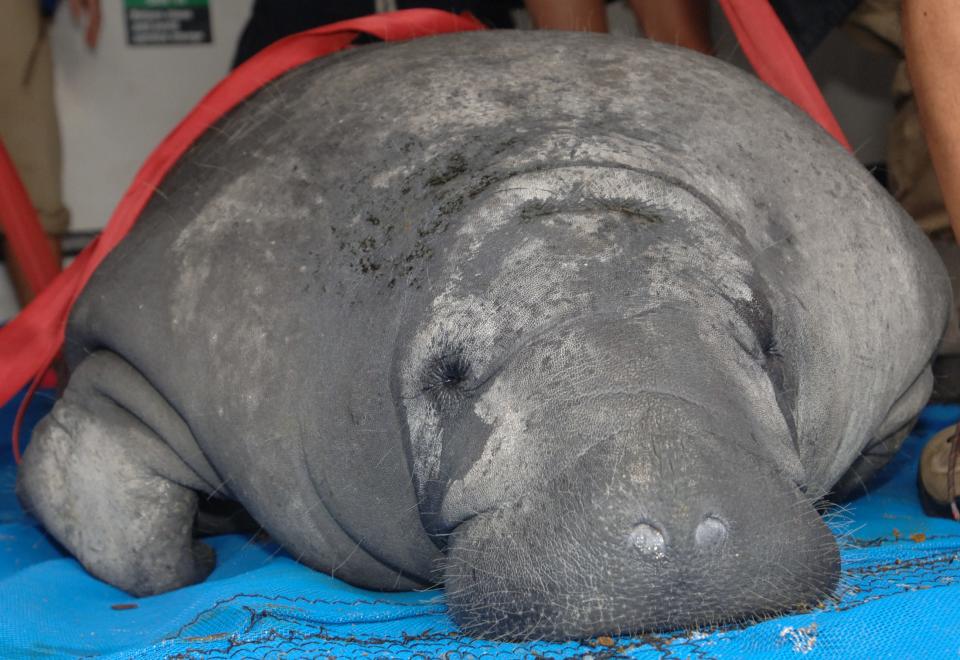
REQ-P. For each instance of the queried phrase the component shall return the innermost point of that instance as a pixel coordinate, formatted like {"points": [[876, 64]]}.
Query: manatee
{"points": [[584, 328]]}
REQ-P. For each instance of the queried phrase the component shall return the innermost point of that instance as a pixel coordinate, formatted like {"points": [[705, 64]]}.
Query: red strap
{"points": [[777, 61], [22, 228], [32, 339]]}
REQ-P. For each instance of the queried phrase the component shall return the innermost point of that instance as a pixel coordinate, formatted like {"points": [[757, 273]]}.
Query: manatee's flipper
{"points": [[887, 440], [112, 474]]}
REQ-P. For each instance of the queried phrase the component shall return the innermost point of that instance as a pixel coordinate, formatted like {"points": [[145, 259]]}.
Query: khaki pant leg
{"points": [[28, 119], [875, 24], [912, 179]]}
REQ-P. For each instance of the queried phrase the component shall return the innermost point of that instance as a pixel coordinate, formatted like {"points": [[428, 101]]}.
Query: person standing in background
{"points": [[679, 22], [28, 114], [272, 20]]}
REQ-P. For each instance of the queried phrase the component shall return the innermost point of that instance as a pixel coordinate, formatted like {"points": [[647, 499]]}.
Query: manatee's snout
{"points": [[621, 543]]}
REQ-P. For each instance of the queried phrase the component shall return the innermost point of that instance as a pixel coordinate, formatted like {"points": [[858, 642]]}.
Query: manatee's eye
{"points": [[764, 345], [445, 376], [771, 347]]}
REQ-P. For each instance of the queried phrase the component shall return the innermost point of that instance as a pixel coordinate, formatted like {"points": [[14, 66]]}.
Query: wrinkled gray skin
{"points": [[581, 326]]}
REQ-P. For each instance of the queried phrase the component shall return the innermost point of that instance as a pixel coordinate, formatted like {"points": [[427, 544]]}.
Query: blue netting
{"points": [[898, 598]]}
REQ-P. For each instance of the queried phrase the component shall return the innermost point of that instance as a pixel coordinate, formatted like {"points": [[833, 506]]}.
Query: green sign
{"points": [[167, 22]]}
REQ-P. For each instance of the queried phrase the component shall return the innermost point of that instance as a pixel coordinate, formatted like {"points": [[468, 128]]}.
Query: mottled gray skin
{"points": [[581, 326]]}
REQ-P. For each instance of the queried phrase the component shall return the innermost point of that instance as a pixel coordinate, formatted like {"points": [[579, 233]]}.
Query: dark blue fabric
{"points": [[272, 20], [897, 598], [810, 21], [48, 7]]}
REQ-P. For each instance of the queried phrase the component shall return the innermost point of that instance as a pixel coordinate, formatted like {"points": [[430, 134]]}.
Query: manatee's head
{"points": [[635, 301], [598, 401], [640, 343]]}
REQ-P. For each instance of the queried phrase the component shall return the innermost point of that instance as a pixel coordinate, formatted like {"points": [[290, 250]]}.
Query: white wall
{"points": [[118, 102]]}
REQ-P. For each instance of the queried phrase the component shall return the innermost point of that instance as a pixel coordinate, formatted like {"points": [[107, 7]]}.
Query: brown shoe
{"points": [[933, 475]]}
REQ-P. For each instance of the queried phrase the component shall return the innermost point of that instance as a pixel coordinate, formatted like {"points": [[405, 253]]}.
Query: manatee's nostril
{"points": [[711, 531], [648, 540]]}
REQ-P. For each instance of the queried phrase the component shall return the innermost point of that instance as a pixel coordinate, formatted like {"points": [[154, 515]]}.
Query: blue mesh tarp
{"points": [[898, 598]]}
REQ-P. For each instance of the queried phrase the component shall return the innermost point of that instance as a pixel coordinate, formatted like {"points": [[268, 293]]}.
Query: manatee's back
{"points": [[263, 287]]}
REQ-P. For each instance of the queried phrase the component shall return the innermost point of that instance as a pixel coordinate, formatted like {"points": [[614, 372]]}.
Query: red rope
{"points": [[22, 409]]}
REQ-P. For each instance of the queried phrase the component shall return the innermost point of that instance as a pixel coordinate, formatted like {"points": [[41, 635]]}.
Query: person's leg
{"points": [[912, 178], [28, 120], [576, 15], [680, 22]]}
